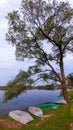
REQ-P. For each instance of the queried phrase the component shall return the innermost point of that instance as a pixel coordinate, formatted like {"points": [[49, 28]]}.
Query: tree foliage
{"points": [[17, 85], [42, 31], [70, 79]]}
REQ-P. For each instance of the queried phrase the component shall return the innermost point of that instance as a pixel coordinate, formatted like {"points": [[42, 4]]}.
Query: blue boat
{"points": [[58, 98]]}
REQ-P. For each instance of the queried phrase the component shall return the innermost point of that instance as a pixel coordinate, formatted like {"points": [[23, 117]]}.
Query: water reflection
{"points": [[25, 99]]}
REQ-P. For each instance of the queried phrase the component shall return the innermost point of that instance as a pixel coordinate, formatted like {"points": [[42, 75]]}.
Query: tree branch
{"points": [[46, 36], [70, 39], [48, 63]]}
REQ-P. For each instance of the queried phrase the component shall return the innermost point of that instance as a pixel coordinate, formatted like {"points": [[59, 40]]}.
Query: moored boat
{"points": [[35, 111], [21, 116], [48, 105]]}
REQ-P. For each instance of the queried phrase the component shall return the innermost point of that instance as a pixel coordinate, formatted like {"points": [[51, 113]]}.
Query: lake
{"points": [[26, 99]]}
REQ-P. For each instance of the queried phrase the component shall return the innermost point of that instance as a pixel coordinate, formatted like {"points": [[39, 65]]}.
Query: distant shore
{"points": [[2, 87], [47, 87]]}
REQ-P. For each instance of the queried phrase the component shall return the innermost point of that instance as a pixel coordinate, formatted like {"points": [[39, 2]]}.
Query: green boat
{"points": [[48, 105]]}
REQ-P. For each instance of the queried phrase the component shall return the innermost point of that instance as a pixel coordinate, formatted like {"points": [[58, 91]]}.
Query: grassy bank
{"points": [[54, 119]]}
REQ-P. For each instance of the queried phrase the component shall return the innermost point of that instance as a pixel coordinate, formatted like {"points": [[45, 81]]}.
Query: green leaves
{"points": [[35, 22], [13, 15], [18, 85], [70, 79]]}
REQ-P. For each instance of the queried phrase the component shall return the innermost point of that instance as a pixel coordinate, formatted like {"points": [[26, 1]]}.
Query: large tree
{"points": [[42, 30]]}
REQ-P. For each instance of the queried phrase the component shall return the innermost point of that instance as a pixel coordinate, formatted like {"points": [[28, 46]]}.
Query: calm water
{"points": [[30, 97]]}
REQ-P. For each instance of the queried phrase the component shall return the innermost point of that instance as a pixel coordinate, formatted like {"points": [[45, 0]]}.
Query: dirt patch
{"points": [[44, 118], [47, 116], [71, 126], [9, 124]]}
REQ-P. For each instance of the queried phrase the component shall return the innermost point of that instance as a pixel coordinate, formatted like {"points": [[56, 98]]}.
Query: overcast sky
{"points": [[9, 67]]}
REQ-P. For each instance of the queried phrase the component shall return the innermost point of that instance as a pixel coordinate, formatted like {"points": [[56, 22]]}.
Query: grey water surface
{"points": [[26, 99]]}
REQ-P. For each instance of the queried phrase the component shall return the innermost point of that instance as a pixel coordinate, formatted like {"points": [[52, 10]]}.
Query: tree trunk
{"points": [[65, 92], [63, 78], [64, 86]]}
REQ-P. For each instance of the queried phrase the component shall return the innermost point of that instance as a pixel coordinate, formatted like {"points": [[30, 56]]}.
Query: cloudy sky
{"points": [[9, 67]]}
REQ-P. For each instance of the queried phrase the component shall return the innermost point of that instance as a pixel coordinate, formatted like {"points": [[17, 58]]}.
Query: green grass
{"points": [[61, 119]]}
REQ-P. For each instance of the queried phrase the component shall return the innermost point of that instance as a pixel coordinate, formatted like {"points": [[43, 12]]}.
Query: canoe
{"points": [[59, 101], [58, 98], [47, 105], [35, 111], [21, 116]]}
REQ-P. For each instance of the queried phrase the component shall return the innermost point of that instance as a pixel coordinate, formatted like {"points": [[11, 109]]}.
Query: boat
{"points": [[35, 111], [59, 100], [21, 116], [48, 105]]}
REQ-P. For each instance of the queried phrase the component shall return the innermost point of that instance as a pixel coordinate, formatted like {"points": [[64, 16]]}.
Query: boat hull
{"points": [[21, 116], [35, 111]]}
